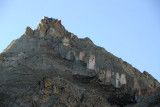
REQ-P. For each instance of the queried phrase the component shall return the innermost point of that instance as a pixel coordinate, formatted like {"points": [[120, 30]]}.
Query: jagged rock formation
{"points": [[79, 67]]}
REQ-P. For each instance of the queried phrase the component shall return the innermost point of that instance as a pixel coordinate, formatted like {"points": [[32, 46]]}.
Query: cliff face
{"points": [[52, 51]]}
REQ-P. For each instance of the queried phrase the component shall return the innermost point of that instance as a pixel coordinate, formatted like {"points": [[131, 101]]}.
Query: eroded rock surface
{"points": [[50, 66]]}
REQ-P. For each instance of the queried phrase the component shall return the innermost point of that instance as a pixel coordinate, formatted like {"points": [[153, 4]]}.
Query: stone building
{"points": [[91, 62], [82, 56], [135, 84], [106, 77], [117, 80], [123, 79], [58, 21], [65, 41], [72, 35]]}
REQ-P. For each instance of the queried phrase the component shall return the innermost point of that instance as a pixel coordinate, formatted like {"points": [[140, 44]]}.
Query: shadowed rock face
{"points": [[44, 67]]}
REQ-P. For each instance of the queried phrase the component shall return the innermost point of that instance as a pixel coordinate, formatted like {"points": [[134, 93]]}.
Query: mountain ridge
{"points": [[51, 48]]}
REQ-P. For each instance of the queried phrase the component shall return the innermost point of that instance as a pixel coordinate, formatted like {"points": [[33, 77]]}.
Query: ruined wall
{"points": [[65, 41], [136, 84], [117, 80], [101, 76], [91, 62], [82, 56], [108, 77], [72, 35], [104, 59], [123, 79], [104, 77]]}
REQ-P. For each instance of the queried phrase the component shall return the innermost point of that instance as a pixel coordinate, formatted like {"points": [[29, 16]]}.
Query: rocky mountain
{"points": [[50, 66]]}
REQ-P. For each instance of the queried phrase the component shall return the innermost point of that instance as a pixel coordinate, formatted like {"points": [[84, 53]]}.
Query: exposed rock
{"points": [[152, 100], [70, 71], [28, 31], [9, 46], [58, 92]]}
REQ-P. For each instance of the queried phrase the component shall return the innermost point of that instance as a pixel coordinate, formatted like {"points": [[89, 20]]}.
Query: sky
{"points": [[129, 29]]}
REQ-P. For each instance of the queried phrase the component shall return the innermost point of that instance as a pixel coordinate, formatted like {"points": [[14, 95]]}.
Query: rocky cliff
{"points": [[50, 66]]}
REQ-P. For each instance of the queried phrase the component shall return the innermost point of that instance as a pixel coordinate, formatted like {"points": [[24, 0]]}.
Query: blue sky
{"points": [[129, 29]]}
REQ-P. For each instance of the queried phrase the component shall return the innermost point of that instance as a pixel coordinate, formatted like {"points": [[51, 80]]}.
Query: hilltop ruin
{"points": [[55, 62]]}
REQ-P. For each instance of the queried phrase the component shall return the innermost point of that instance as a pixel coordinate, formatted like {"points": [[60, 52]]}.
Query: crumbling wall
{"points": [[123, 79], [108, 77], [91, 62], [82, 56], [117, 80], [136, 84], [101, 76], [65, 41], [52, 27], [72, 35]]}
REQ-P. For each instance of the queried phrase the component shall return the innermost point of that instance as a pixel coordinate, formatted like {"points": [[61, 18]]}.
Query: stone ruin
{"points": [[82, 56], [91, 62], [51, 27], [58, 21], [53, 49], [65, 41], [72, 35], [104, 77], [47, 26], [107, 77]]}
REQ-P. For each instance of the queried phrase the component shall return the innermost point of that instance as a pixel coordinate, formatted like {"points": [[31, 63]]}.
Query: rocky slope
{"points": [[50, 66]]}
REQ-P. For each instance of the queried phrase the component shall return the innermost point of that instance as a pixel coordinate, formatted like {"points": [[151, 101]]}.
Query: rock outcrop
{"points": [[51, 66]]}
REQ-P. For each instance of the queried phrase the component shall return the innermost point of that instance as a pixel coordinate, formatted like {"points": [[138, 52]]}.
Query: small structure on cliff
{"points": [[91, 62], [58, 21], [65, 41], [123, 79], [107, 77], [82, 56], [72, 35]]}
